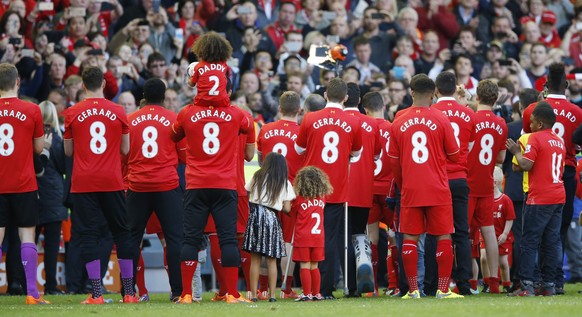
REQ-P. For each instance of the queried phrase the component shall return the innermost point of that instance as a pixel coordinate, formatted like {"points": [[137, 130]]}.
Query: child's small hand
{"points": [[502, 238]]}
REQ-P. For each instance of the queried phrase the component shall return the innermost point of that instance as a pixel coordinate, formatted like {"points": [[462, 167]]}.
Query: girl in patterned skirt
{"points": [[270, 192]]}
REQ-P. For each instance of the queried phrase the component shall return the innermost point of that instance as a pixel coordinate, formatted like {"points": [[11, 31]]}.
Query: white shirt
{"points": [[287, 194]]}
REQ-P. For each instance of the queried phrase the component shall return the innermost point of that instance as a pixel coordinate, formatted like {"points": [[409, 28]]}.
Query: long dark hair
{"points": [[271, 177]]}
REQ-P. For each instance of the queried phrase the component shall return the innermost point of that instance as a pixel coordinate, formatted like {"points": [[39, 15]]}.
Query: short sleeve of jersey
{"points": [[246, 125], [68, 134], [38, 123], [177, 125], [451, 145], [393, 149], [509, 210], [251, 134], [124, 123], [302, 136], [531, 149]]}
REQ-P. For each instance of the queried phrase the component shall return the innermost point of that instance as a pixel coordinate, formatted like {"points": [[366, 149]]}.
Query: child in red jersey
{"points": [[270, 192], [311, 185], [210, 73], [503, 215]]}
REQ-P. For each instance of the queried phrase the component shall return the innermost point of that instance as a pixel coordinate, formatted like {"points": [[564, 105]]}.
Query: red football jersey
{"points": [[210, 82], [244, 139], [421, 139], [212, 137], [490, 137], [95, 125], [309, 224], [383, 177], [280, 137], [503, 211], [546, 149], [153, 156], [361, 177], [568, 118], [329, 136], [463, 124], [20, 123]]}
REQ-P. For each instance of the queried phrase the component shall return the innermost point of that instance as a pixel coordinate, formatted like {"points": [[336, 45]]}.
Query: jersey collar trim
{"points": [[555, 96], [334, 105], [352, 109], [446, 99]]}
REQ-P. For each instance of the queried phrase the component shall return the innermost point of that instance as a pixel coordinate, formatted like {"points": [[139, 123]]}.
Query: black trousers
{"points": [[570, 185], [93, 206], [168, 208], [516, 229], [222, 204], [462, 266], [52, 239], [333, 222], [357, 223], [74, 264]]}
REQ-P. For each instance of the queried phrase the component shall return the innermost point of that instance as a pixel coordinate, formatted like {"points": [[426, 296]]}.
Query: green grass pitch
{"points": [[569, 305]]}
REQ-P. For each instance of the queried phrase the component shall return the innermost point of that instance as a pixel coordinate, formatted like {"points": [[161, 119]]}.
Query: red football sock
{"points": [[231, 277], [188, 268], [306, 282], [315, 281], [215, 256], [392, 267], [444, 260], [288, 283], [506, 283], [245, 260], [410, 262], [140, 276], [263, 283], [474, 284], [375, 265], [486, 280], [494, 285]]}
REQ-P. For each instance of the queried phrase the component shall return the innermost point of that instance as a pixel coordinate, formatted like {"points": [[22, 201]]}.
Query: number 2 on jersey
{"points": [[213, 91], [6, 142], [316, 229]]}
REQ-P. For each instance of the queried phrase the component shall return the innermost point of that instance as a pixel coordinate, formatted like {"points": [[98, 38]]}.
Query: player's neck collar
{"points": [[334, 105], [446, 99], [352, 109], [556, 96]]}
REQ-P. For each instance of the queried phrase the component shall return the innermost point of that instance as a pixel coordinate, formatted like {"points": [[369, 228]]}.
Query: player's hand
{"points": [[512, 146], [502, 238], [444, 55], [232, 14], [48, 140]]}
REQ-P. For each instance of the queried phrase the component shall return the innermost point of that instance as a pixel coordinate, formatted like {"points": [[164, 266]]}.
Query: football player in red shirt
{"points": [[311, 185], [212, 134], [503, 215], [20, 123], [543, 158], [280, 137], [361, 182], [153, 179], [96, 131], [421, 140], [463, 124], [568, 118], [328, 138], [383, 183], [487, 150]]}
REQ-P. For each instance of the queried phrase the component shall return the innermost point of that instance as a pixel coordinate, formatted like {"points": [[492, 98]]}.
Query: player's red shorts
{"points": [[435, 220], [288, 222], [480, 211], [380, 211], [505, 249], [153, 226], [307, 254], [243, 214]]}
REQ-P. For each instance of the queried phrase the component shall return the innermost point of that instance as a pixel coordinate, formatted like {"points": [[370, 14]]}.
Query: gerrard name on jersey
{"points": [[96, 112], [458, 114], [568, 115], [209, 113], [312, 203], [15, 114], [489, 125], [149, 117], [407, 124], [330, 121], [280, 132]]}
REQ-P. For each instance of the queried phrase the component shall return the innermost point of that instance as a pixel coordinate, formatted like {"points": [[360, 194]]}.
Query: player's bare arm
{"points": [[524, 164], [500, 157], [68, 144], [38, 145], [124, 144], [249, 152]]}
